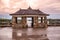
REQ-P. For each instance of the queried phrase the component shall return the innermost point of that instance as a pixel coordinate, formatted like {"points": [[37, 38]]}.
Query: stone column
{"points": [[45, 21], [32, 22], [24, 22], [41, 19], [35, 22], [14, 21]]}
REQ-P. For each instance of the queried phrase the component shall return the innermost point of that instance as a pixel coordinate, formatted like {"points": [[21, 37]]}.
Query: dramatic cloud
{"points": [[47, 6]]}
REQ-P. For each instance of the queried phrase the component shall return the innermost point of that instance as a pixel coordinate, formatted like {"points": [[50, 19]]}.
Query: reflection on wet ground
{"points": [[51, 33], [30, 34]]}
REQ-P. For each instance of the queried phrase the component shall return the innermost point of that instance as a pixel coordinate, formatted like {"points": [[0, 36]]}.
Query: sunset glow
{"points": [[47, 6], [30, 2]]}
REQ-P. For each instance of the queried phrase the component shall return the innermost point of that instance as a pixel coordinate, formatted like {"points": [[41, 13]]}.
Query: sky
{"points": [[46, 6]]}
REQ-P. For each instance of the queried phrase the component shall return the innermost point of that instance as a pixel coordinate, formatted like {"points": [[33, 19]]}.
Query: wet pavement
{"points": [[51, 33]]}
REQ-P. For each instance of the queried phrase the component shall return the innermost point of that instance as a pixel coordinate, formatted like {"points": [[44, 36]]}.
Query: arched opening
{"points": [[29, 22], [19, 20]]}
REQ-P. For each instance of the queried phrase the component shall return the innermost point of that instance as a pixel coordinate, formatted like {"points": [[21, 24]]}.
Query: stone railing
{"points": [[41, 24], [20, 25]]}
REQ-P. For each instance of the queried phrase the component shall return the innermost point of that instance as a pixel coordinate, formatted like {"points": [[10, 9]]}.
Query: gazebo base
{"points": [[40, 25], [18, 27]]}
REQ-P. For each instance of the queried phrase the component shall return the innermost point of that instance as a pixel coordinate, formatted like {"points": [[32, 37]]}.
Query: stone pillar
{"points": [[24, 22], [45, 21], [14, 21], [41, 19], [35, 22], [32, 22]]}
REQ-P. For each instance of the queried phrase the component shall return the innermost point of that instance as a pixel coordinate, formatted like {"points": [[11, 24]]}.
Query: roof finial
{"points": [[29, 7]]}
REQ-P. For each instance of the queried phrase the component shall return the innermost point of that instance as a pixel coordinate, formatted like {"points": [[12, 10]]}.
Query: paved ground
{"points": [[51, 33]]}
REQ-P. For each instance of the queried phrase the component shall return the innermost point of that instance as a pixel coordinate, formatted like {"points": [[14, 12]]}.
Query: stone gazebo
{"points": [[33, 13]]}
